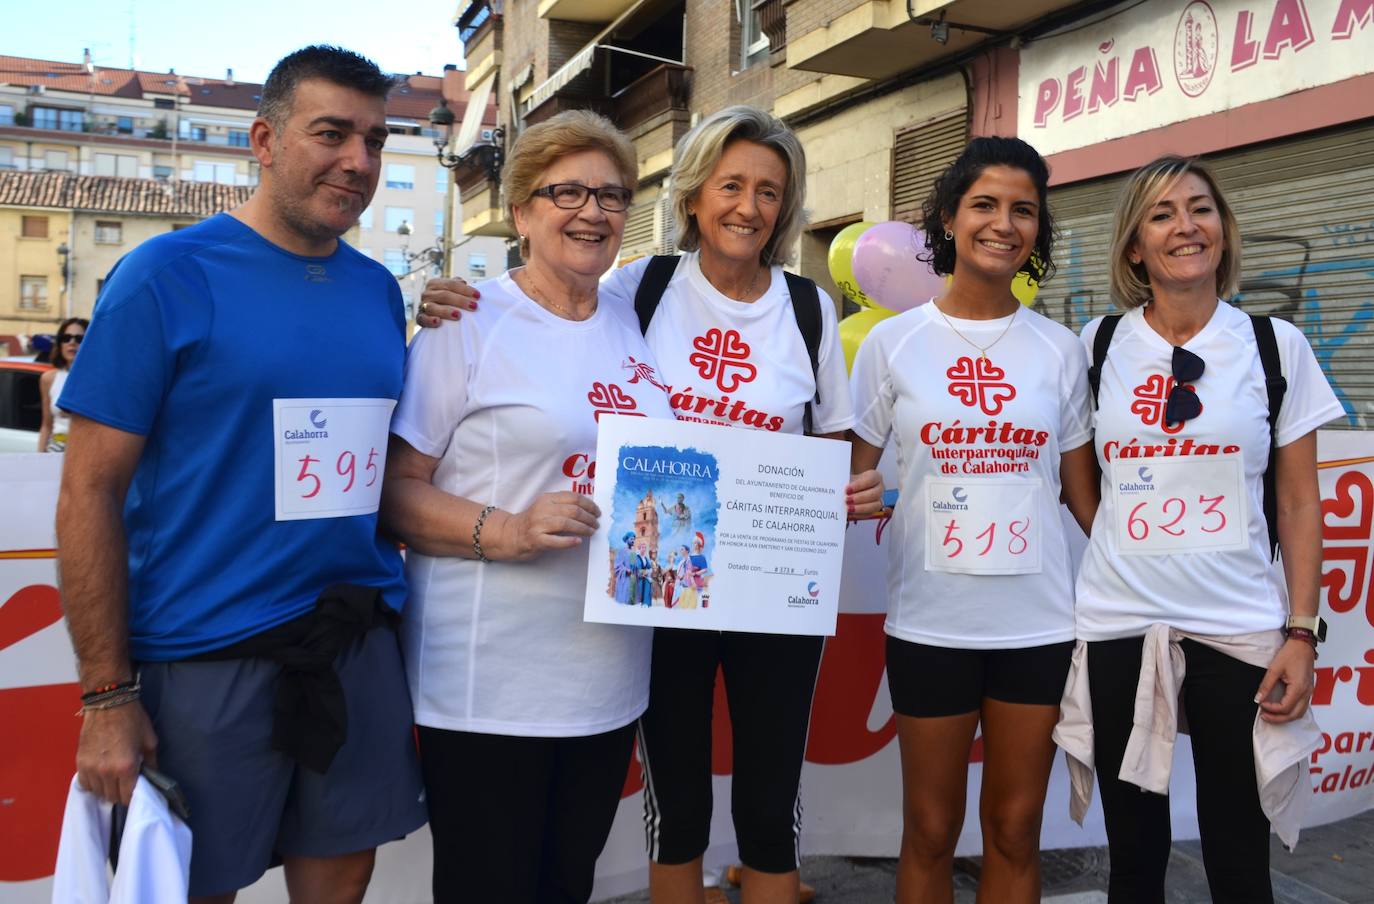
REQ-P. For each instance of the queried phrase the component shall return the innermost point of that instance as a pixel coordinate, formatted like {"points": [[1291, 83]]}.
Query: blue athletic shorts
{"points": [[250, 805]]}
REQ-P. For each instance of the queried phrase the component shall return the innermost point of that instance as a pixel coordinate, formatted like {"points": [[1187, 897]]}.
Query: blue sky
{"points": [[245, 35]]}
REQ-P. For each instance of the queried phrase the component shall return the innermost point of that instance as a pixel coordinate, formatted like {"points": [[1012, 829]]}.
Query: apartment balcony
{"points": [[479, 27], [584, 10], [662, 89], [479, 189], [879, 39]]}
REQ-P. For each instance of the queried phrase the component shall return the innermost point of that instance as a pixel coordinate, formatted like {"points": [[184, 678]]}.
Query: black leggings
{"points": [[1218, 699], [769, 681], [520, 820]]}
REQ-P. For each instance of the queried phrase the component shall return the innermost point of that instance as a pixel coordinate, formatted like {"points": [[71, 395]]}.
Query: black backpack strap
{"points": [[652, 286], [1275, 386], [1101, 342], [806, 307]]}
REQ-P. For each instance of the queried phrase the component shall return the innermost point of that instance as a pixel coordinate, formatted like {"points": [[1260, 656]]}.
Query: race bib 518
{"points": [[983, 526]]}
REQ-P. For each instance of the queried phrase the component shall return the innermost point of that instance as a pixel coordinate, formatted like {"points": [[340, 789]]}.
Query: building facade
{"points": [[79, 119], [1277, 94], [60, 234]]}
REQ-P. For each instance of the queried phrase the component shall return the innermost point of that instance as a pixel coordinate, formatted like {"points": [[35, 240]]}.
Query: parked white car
{"points": [[21, 406]]}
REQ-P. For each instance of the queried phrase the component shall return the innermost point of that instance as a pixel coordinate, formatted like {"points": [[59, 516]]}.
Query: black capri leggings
{"points": [[1218, 698], [769, 681]]}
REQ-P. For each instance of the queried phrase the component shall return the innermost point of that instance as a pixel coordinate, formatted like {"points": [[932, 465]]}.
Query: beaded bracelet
{"points": [[109, 698], [477, 533], [109, 690]]}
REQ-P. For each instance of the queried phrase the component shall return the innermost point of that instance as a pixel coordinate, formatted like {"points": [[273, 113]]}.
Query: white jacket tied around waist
{"points": [[1281, 750]]}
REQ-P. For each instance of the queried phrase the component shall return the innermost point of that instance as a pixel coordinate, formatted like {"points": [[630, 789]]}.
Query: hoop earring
{"points": [[949, 236]]}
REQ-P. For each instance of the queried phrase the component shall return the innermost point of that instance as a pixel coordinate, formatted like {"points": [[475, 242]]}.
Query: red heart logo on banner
{"points": [[28, 611], [40, 758]]}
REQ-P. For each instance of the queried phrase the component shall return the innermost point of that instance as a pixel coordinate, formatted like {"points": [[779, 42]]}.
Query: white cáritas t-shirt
{"points": [[1212, 592], [740, 364], [977, 557], [509, 404]]}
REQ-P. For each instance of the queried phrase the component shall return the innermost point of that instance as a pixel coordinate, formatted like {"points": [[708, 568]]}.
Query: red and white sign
{"points": [[1166, 61], [851, 781]]}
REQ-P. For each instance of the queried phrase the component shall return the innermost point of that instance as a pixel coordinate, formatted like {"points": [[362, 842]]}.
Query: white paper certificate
{"points": [[715, 528]]}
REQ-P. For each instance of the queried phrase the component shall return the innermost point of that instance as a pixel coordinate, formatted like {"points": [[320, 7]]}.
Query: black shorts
{"points": [[928, 681]]}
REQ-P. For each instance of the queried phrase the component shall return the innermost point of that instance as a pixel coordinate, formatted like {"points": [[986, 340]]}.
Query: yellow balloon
{"points": [[841, 262], [1025, 289], [855, 327]]}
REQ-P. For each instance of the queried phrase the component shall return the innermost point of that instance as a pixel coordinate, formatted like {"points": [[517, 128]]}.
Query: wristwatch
{"points": [[1314, 623]]}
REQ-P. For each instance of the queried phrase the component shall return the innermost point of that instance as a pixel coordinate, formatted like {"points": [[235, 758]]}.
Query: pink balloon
{"points": [[886, 267]]}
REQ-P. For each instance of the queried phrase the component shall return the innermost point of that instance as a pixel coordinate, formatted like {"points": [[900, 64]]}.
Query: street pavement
{"points": [[1333, 864]]}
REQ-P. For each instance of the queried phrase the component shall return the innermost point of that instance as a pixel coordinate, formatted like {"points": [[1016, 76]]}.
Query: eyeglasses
{"points": [[571, 196], [1183, 403], [72, 337]]}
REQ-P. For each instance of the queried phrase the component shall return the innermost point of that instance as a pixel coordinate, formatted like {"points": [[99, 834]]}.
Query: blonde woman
{"points": [[526, 713], [1179, 583], [738, 194]]}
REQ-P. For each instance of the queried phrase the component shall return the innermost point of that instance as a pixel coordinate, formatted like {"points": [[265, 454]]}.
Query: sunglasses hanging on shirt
{"points": [[1183, 403]]}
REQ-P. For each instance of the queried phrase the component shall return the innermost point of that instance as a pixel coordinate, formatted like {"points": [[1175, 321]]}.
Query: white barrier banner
{"points": [[851, 783]]}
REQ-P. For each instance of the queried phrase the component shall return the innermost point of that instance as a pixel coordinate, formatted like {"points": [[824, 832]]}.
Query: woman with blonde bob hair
{"points": [[1181, 610], [738, 194], [526, 713]]}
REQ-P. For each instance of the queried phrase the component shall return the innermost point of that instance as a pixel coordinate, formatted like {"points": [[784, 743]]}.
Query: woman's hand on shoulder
{"points": [[1291, 671], [553, 521], [864, 494], [445, 299]]}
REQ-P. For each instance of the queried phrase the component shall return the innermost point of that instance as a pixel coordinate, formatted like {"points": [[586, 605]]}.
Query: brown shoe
{"points": [[808, 894], [716, 896]]}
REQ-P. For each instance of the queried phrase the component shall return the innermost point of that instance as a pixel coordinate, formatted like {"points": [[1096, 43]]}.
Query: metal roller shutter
{"points": [[919, 154], [1306, 212], [640, 223]]}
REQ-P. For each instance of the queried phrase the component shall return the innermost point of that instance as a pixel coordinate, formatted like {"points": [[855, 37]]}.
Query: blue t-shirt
{"points": [[195, 334]]}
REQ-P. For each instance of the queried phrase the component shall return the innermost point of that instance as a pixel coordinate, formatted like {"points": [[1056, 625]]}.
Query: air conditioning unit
{"points": [[38, 89]]}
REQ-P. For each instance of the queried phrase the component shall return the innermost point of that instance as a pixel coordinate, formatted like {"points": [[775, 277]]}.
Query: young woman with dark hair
{"points": [[52, 433], [987, 403]]}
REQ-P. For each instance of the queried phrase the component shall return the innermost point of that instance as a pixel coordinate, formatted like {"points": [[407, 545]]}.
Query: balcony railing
{"points": [[772, 22], [665, 87]]}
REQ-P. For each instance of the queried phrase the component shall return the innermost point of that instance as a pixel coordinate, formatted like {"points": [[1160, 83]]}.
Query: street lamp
{"points": [[484, 155], [65, 252]]}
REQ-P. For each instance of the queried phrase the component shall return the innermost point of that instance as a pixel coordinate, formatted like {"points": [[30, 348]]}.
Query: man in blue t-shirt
{"points": [[230, 602]]}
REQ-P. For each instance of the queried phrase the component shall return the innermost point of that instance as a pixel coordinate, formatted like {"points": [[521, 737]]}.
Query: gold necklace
{"points": [[557, 308], [982, 349]]}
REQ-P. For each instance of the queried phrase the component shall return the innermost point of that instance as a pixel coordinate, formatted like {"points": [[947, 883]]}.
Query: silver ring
{"points": [[424, 307]]}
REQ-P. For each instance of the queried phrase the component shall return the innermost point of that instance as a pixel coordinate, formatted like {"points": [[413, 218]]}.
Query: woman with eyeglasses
{"points": [[1179, 590], [526, 713], [725, 326], [52, 432]]}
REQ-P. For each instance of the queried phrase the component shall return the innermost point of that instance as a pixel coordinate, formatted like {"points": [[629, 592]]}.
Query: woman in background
{"points": [[52, 433]]}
